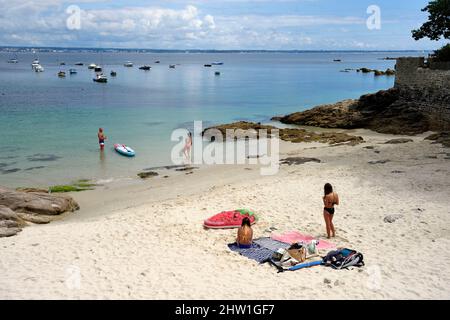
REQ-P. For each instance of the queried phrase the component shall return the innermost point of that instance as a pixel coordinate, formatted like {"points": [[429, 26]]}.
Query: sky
{"points": [[215, 24]]}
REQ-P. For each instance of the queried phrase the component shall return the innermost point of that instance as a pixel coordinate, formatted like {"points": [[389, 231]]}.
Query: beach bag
{"points": [[343, 259]]}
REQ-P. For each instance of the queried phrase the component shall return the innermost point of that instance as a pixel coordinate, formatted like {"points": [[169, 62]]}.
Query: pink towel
{"points": [[294, 236]]}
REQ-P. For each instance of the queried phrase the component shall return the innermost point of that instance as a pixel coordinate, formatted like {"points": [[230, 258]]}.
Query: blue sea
{"points": [[48, 131]]}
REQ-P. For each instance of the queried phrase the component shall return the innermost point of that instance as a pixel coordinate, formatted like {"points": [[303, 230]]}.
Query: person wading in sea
{"points": [[101, 138]]}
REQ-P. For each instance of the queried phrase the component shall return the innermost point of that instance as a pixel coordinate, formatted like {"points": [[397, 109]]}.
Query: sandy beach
{"points": [[135, 239]]}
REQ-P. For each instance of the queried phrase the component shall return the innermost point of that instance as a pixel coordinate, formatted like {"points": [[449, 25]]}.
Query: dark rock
{"points": [[186, 169], [9, 232], [378, 73], [389, 72], [366, 70], [34, 168], [369, 147], [379, 161], [441, 137], [298, 160], [392, 218], [398, 141], [397, 171], [43, 157], [165, 167], [147, 174], [7, 171]]}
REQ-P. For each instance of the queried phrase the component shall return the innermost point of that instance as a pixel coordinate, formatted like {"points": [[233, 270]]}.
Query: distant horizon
{"points": [[30, 48]]}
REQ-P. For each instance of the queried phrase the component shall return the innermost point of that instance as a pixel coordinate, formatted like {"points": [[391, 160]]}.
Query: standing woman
{"points": [[330, 199], [188, 146], [101, 138]]}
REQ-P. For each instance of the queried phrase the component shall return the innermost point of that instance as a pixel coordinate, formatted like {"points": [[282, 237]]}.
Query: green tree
{"points": [[438, 24]]}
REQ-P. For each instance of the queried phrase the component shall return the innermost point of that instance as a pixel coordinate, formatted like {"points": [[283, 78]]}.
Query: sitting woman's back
{"points": [[245, 234]]}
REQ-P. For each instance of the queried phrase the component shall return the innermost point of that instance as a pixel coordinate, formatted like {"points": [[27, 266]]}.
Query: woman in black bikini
{"points": [[330, 199]]}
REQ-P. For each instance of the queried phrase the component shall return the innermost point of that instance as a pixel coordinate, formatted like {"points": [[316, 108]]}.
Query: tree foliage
{"points": [[438, 24]]}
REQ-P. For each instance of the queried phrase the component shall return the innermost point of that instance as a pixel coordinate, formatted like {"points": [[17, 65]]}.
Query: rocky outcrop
{"points": [[147, 174], [387, 111], [10, 222], [377, 73], [240, 130], [298, 160], [17, 207], [399, 141], [36, 202], [441, 137]]}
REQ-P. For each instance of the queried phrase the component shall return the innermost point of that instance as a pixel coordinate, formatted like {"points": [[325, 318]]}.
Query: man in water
{"points": [[101, 138]]}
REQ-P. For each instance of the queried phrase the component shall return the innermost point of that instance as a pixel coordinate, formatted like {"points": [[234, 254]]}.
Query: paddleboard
{"points": [[124, 150], [305, 265]]}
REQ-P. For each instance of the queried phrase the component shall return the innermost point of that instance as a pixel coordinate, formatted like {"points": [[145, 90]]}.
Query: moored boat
{"points": [[145, 68], [61, 74], [92, 66], [100, 78], [128, 64], [38, 68], [73, 71]]}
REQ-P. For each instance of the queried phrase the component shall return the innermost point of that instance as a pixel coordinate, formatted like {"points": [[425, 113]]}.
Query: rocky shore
{"points": [[17, 208], [387, 111], [294, 135]]}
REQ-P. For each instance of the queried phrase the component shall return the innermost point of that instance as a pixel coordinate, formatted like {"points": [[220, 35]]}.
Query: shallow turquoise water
{"points": [[43, 114]]}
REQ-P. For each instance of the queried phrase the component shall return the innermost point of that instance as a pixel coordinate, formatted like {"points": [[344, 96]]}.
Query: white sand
{"points": [[144, 240]]}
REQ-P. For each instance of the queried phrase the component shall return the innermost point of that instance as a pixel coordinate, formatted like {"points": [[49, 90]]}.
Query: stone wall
{"points": [[427, 88]]}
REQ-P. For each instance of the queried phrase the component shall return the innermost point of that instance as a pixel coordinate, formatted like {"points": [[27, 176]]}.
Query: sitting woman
{"points": [[245, 234]]}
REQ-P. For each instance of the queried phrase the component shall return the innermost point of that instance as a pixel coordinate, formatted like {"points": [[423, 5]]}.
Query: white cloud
{"points": [[44, 23]]}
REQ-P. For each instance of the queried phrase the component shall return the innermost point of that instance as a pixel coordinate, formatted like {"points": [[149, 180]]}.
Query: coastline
{"points": [[144, 238]]}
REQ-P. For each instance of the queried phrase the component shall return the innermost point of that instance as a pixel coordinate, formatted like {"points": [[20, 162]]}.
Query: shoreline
{"points": [[144, 239]]}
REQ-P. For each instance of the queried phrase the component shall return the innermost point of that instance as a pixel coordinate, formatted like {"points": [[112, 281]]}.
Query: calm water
{"points": [[41, 114]]}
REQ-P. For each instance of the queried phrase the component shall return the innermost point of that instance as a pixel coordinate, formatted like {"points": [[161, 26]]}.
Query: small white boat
{"points": [[14, 60], [128, 64], [73, 71], [92, 66], [217, 63], [100, 78], [38, 68], [35, 63]]}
